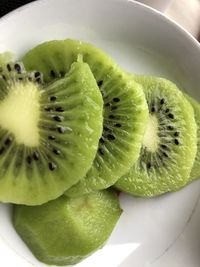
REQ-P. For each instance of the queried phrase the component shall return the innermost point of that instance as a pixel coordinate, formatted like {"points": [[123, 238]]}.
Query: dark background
{"points": [[8, 5]]}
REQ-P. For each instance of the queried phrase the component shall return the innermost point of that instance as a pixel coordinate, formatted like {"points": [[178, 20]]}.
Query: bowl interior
{"points": [[144, 42]]}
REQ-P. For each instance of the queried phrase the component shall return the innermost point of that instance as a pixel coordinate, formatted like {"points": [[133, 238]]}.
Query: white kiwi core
{"points": [[20, 112], [151, 138]]}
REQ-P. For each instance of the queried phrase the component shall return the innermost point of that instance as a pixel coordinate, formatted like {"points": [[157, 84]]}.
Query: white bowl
{"points": [[158, 232]]}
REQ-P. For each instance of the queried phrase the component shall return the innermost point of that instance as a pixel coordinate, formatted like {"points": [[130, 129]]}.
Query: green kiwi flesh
{"points": [[41, 129], [125, 108], [65, 231], [169, 144], [5, 58], [195, 172]]}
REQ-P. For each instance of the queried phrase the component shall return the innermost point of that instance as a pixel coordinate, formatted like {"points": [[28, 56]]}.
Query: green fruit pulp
{"points": [[125, 108], [52, 142], [169, 149], [195, 172], [65, 231]]}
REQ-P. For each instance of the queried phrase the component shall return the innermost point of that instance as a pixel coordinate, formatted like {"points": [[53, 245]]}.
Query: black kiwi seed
{"points": [[2, 149], [61, 129], [29, 159], [101, 151], [20, 78], [52, 166], [176, 134], [114, 108], [107, 104], [148, 165], [171, 116], [118, 125], [30, 79], [163, 146], [162, 101], [48, 109], [101, 140], [110, 137], [51, 137], [106, 129], [116, 99], [165, 154], [17, 67], [176, 142], [170, 127], [111, 117], [53, 98], [37, 74], [56, 151], [4, 77], [52, 73], [167, 110], [153, 109], [60, 109], [35, 155], [8, 141], [58, 118], [100, 83], [9, 67]]}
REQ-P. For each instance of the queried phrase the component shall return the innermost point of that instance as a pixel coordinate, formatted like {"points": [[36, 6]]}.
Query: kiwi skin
{"points": [[195, 172], [65, 231], [145, 182]]}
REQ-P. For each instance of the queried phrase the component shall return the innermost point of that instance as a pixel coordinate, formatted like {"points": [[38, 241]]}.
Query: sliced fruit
{"points": [[65, 231], [125, 108], [195, 173], [49, 135], [169, 144]]}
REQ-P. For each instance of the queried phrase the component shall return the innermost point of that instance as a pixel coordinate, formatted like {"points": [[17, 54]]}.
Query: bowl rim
{"points": [[153, 12]]}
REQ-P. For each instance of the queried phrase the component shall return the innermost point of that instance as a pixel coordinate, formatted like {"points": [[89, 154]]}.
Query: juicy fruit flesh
{"points": [[65, 231], [20, 111], [195, 172], [6, 57], [125, 108], [68, 114], [151, 138], [168, 168], [120, 143]]}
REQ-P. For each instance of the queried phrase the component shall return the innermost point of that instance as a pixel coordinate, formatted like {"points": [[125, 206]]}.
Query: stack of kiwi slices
{"points": [[73, 123]]}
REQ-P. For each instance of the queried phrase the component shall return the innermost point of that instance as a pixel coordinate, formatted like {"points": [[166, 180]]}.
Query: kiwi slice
{"points": [[49, 134], [169, 144], [65, 231], [195, 172], [125, 108], [5, 58]]}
